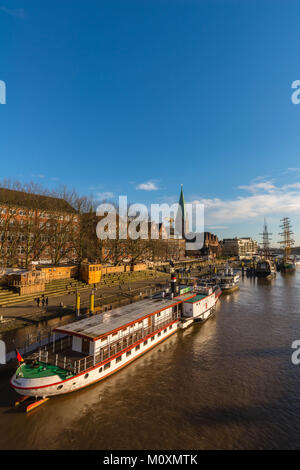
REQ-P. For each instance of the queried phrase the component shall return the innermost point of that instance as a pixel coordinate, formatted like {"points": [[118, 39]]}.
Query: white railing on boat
{"points": [[55, 355]]}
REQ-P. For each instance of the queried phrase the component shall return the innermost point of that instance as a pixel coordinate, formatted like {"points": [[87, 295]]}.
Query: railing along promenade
{"points": [[55, 354]]}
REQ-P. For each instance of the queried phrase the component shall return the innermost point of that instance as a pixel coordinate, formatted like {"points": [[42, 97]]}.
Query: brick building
{"points": [[35, 227], [211, 246]]}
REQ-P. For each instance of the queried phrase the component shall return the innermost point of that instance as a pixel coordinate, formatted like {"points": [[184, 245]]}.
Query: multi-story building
{"points": [[239, 247], [35, 227], [210, 247], [154, 243]]}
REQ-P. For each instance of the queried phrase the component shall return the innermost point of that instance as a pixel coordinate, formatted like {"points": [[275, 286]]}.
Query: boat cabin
{"points": [[202, 302], [96, 338]]}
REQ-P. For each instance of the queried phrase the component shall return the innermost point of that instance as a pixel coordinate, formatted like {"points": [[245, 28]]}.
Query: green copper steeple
{"points": [[181, 203], [182, 224]]}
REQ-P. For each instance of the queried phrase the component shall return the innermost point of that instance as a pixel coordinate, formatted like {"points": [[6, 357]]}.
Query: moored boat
{"points": [[265, 268], [89, 350], [287, 265], [229, 281]]}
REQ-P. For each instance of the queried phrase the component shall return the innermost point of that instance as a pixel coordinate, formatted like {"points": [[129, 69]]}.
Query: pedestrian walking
{"points": [[43, 301], [38, 301], [47, 301]]}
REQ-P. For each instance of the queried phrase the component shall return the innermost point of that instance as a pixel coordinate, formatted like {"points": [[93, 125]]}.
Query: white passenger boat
{"points": [[89, 350], [229, 281]]}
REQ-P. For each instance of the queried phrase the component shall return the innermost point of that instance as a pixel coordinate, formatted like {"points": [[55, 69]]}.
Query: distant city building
{"points": [[211, 247], [239, 247]]}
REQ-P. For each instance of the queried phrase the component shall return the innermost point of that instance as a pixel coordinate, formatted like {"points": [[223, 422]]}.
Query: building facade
{"points": [[239, 247], [38, 228]]}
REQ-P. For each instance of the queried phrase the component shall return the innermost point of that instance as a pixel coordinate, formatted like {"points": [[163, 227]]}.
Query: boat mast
{"points": [[287, 241], [266, 241]]}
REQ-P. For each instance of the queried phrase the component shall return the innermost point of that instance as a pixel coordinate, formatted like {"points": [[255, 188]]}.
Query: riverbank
{"points": [[26, 328]]}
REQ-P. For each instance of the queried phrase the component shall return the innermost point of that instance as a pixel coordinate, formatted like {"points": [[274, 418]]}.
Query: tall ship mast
{"points": [[287, 263], [266, 239], [265, 267]]}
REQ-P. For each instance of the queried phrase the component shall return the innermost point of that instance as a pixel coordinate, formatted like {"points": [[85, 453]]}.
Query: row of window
{"points": [[119, 358], [4, 210], [95, 268]]}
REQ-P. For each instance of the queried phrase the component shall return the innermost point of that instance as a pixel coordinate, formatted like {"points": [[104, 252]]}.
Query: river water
{"points": [[227, 384]]}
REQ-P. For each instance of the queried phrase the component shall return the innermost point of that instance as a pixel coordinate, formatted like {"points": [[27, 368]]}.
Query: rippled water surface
{"points": [[228, 384]]}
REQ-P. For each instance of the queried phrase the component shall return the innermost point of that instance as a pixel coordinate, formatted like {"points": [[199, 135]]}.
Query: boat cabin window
{"points": [[153, 338], [137, 347], [100, 370], [86, 376], [107, 365], [145, 342], [119, 358]]}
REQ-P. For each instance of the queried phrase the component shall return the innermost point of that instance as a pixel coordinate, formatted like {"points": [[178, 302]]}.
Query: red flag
{"points": [[19, 357]]}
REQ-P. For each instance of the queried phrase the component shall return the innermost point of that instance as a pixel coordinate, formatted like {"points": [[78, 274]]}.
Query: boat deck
{"points": [[98, 325], [41, 369]]}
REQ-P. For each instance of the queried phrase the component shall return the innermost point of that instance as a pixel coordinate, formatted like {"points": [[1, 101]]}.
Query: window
{"points": [[59, 387], [128, 353], [137, 347], [145, 342], [86, 376], [107, 365], [153, 338], [158, 334], [119, 359], [165, 330], [170, 327], [100, 370]]}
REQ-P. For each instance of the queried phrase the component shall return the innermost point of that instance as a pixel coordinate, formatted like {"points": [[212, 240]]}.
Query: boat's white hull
{"points": [[51, 386]]}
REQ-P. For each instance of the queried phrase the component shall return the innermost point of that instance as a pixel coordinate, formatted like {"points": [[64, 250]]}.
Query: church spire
{"points": [[182, 223]]}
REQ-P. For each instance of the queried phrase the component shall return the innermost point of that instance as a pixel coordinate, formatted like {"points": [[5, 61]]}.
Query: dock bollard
{"points": [[77, 303], [92, 302]]}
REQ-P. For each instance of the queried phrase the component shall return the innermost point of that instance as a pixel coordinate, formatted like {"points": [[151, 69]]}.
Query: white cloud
{"points": [[265, 200], [215, 227], [256, 187], [17, 12], [38, 176], [104, 195], [149, 186]]}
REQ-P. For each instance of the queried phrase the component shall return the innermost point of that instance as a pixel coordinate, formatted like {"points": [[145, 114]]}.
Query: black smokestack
{"points": [[173, 284]]}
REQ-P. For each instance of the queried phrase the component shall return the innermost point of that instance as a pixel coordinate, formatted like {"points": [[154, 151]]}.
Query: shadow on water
{"points": [[228, 383]]}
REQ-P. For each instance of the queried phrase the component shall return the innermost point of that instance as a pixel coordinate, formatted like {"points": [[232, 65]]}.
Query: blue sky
{"points": [[136, 97]]}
